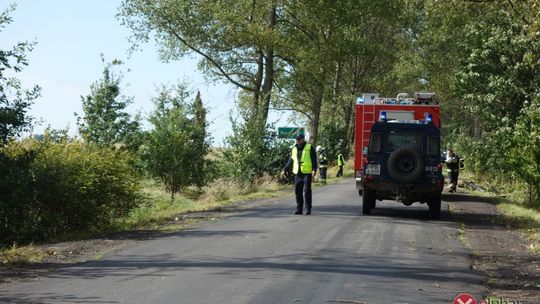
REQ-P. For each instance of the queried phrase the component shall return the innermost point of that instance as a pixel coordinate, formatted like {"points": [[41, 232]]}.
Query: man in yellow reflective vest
{"points": [[304, 162], [340, 163]]}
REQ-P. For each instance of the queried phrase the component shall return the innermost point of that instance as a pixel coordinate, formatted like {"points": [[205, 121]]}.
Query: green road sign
{"points": [[290, 132]]}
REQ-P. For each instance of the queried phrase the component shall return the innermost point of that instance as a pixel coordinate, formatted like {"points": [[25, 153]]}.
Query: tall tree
{"points": [[14, 100], [105, 120], [178, 144], [323, 37], [235, 40], [201, 143]]}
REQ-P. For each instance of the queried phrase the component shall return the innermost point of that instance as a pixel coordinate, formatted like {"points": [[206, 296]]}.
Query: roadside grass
{"points": [[21, 255], [512, 202], [526, 219], [214, 197]]}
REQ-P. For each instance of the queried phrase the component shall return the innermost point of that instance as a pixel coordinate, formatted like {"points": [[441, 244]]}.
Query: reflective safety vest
{"points": [[340, 160], [305, 165]]}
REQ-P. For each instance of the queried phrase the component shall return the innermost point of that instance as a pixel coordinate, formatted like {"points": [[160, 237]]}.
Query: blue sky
{"points": [[70, 36]]}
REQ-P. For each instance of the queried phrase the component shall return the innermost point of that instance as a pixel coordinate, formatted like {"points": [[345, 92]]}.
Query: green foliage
{"points": [[105, 120], [17, 193], [14, 100], [82, 187], [525, 152], [496, 78], [177, 147], [247, 158], [234, 39], [55, 188], [332, 137], [482, 58]]}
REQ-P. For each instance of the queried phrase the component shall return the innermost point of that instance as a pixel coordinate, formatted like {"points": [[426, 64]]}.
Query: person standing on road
{"points": [[323, 163], [452, 163], [340, 163], [304, 162]]}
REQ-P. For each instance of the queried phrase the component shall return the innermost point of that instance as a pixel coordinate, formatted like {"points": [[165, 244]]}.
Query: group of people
{"points": [[305, 162]]}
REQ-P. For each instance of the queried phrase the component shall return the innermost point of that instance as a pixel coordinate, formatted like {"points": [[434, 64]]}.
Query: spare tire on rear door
{"points": [[405, 165]]}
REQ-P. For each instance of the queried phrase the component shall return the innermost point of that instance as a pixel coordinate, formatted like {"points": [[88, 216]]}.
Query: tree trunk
{"points": [[348, 109], [257, 85], [173, 188], [316, 114], [336, 88], [268, 69]]}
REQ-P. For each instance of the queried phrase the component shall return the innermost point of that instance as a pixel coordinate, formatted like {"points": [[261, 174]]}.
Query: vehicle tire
{"points": [[405, 165], [434, 204], [368, 201]]}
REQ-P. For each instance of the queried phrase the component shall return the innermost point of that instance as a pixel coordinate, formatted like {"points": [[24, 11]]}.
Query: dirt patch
{"points": [[497, 248]]}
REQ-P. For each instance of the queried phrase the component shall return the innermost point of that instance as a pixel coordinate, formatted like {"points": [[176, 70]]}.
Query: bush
{"points": [[17, 195], [56, 188], [252, 153], [83, 187]]}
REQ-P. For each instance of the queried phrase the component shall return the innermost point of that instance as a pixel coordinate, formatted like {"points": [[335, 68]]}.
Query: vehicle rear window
{"points": [[433, 146], [399, 140], [375, 144]]}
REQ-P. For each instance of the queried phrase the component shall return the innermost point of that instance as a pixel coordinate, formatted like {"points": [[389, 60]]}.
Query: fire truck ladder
{"points": [[368, 119]]}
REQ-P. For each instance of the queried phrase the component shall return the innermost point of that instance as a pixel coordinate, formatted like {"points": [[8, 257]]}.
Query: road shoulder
{"points": [[498, 250]]}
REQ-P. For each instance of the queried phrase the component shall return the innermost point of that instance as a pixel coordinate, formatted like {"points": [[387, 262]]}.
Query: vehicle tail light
{"points": [[359, 174], [439, 167], [369, 177]]}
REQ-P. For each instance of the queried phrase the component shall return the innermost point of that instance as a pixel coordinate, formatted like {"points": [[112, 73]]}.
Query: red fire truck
{"points": [[368, 110]]}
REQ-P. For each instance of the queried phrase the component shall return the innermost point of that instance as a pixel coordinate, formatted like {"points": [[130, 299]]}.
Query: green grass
{"points": [[514, 206], [214, 197], [526, 219], [21, 255]]}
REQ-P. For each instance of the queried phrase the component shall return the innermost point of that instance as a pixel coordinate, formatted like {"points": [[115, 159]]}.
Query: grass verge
{"points": [[527, 220], [514, 208]]}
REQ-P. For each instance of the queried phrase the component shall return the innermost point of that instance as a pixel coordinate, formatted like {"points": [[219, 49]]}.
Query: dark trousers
{"points": [[454, 178], [340, 171], [322, 174], [302, 186]]}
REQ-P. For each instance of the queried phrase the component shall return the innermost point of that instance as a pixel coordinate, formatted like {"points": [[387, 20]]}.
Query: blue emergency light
{"points": [[429, 118], [382, 116]]}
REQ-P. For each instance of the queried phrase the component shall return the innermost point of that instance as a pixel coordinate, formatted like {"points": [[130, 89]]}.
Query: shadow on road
{"points": [[329, 262], [41, 298]]}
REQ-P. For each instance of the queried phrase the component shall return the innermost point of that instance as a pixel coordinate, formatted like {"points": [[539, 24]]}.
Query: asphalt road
{"points": [[269, 255]]}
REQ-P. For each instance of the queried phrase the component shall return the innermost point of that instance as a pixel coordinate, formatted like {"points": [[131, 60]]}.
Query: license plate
{"points": [[373, 169], [431, 169]]}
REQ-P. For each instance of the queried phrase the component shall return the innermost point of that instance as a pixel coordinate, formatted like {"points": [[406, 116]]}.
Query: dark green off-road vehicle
{"points": [[403, 164]]}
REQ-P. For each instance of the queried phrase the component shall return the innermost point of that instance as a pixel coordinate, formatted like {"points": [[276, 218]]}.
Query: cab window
{"points": [[433, 146], [375, 144], [403, 140]]}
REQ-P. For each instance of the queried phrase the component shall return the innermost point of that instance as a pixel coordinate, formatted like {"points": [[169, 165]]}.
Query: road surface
{"points": [[268, 255]]}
